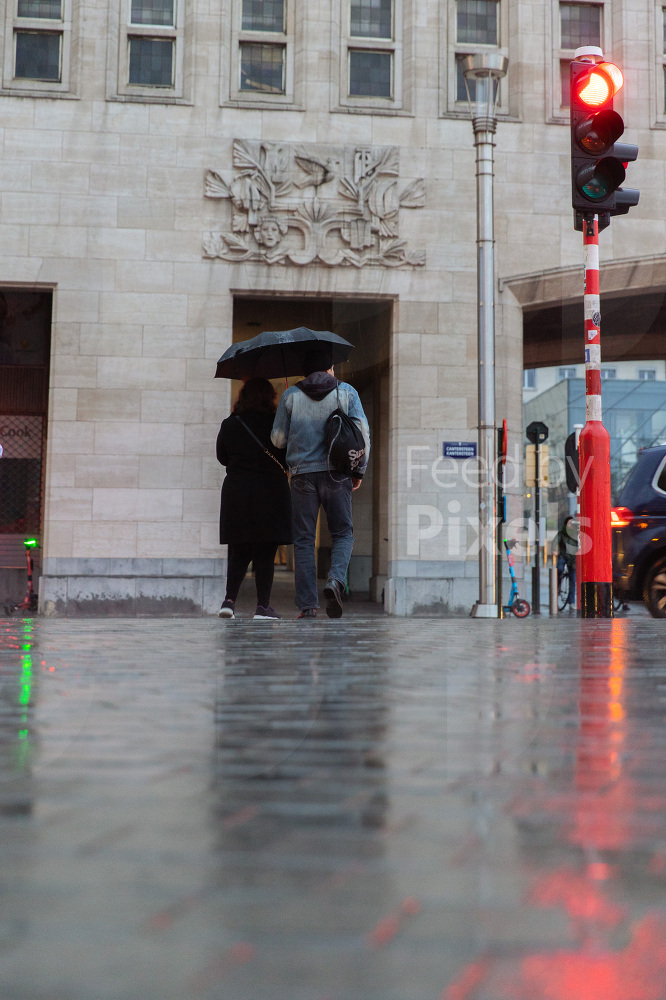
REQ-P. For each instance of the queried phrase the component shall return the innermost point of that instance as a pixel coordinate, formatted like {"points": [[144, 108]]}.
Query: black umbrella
{"points": [[278, 353]]}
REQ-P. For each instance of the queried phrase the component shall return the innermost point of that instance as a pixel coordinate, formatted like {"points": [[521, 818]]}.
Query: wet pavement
{"points": [[369, 809]]}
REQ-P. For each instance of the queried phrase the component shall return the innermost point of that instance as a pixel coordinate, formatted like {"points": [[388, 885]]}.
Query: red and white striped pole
{"points": [[596, 564]]}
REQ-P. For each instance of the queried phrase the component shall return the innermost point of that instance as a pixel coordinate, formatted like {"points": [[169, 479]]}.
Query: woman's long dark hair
{"points": [[256, 394]]}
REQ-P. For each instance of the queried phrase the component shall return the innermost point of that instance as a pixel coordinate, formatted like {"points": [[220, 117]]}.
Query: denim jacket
{"points": [[299, 426]]}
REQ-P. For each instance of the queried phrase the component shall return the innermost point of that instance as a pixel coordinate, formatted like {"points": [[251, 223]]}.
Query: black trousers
{"points": [[263, 559]]}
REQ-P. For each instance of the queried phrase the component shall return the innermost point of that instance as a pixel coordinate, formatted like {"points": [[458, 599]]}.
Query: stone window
{"points": [[565, 373], [475, 26], [372, 55], [529, 378], [370, 68], [647, 374], [38, 44], [608, 373], [477, 22], [575, 23], [261, 55], [150, 50]]}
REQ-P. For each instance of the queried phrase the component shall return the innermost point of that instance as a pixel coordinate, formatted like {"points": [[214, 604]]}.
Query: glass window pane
{"points": [[262, 68], [370, 74], [151, 62], [37, 56], [263, 15], [371, 18], [477, 22], [565, 84], [152, 12], [580, 24], [461, 93], [50, 9]]}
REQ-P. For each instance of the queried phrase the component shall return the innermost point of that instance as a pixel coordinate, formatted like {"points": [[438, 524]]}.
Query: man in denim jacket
{"points": [[299, 427]]}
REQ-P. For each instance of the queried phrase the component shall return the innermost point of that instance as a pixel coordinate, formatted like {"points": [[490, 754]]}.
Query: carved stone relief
{"points": [[334, 205]]}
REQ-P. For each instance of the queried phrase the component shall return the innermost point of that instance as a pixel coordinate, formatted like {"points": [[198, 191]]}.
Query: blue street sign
{"points": [[459, 449]]}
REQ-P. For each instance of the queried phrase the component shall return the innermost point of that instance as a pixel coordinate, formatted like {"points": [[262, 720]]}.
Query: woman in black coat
{"points": [[255, 511]]}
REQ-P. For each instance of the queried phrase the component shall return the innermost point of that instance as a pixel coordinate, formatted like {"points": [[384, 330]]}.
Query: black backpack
{"points": [[344, 442]]}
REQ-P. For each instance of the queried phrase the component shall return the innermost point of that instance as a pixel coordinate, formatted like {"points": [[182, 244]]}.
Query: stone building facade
{"points": [[177, 174]]}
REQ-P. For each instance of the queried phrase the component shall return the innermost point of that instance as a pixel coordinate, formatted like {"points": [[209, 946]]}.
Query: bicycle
{"points": [[563, 588]]}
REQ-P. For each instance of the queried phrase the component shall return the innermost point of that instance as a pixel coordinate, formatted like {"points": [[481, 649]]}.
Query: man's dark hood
{"points": [[318, 385]]}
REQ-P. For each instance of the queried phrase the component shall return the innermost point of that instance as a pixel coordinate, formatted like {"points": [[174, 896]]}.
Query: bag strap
{"points": [[265, 450]]}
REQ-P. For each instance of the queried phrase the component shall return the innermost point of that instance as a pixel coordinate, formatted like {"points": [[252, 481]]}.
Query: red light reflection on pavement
{"points": [[637, 972], [604, 810], [583, 901]]}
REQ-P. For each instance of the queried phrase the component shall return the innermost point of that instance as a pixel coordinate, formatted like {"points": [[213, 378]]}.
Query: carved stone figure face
{"points": [[270, 234]]}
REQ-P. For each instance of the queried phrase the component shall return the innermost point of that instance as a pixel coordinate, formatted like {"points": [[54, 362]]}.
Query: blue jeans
{"points": [[333, 492]]}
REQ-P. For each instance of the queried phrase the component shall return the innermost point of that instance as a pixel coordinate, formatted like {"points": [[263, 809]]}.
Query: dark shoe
{"points": [[227, 609], [307, 613], [266, 613], [333, 593]]}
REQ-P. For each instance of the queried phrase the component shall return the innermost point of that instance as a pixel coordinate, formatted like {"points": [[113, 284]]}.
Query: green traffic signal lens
{"points": [[596, 189], [600, 180]]}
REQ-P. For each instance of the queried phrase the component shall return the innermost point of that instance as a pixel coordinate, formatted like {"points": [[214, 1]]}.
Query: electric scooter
{"points": [[518, 605]]}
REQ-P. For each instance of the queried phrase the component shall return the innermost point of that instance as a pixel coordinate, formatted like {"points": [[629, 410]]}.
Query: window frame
{"points": [[121, 30], [658, 90], [65, 28], [608, 374], [399, 47], [646, 374], [566, 373], [451, 105], [290, 38], [529, 375], [555, 55]]}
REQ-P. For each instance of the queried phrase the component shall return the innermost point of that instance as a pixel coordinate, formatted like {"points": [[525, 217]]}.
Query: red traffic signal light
{"points": [[598, 86], [597, 159]]}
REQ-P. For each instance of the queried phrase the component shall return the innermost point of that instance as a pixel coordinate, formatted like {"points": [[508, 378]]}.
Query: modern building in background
{"points": [[175, 176], [634, 411]]}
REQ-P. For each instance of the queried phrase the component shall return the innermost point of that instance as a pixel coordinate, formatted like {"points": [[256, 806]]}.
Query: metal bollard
{"points": [[552, 589]]}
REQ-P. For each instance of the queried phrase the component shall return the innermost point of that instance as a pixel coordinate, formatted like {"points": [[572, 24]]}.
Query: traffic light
{"points": [[598, 160]]}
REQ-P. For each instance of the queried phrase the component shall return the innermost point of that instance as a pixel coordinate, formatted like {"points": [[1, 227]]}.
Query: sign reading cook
{"points": [[21, 436]]}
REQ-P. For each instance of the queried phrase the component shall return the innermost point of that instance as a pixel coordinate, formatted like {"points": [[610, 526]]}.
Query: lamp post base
{"points": [[484, 611]]}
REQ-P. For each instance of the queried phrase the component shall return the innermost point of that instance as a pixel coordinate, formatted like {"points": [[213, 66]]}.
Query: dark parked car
{"points": [[638, 525]]}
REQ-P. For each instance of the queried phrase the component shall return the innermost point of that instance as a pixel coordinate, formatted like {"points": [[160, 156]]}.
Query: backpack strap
{"points": [[265, 450]]}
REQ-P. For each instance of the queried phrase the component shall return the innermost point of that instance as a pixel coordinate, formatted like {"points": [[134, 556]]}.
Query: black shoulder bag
{"points": [[265, 450]]}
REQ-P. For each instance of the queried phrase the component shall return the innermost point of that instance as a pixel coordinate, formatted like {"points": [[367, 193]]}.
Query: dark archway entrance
{"points": [[367, 324], [25, 344]]}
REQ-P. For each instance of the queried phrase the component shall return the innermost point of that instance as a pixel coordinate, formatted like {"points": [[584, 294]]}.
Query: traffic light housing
{"points": [[598, 160]]}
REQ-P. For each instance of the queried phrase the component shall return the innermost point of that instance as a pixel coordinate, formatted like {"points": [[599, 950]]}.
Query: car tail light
{"points": [[621, 517]]}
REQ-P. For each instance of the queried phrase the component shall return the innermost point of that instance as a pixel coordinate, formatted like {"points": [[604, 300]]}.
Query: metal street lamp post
{"points": [[482, 75]]}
